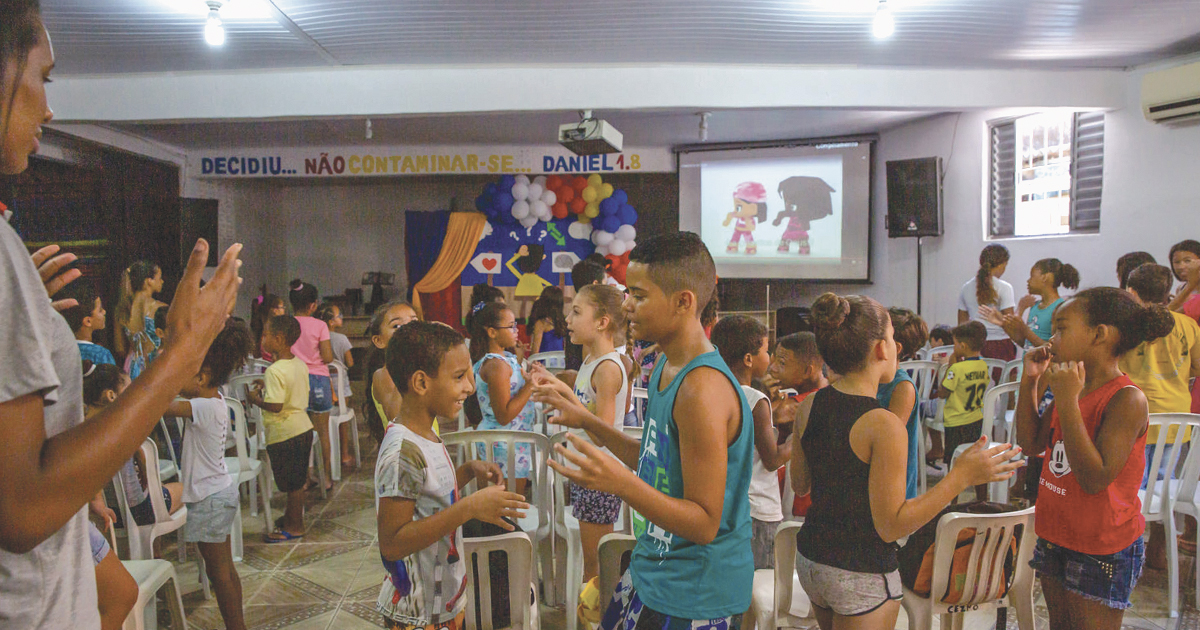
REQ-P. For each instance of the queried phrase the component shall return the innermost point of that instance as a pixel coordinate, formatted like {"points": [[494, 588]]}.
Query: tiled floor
{"points": [[330, 578]]}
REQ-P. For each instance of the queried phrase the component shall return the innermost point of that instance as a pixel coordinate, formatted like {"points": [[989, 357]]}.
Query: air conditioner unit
{"points": [[1172, 96]]}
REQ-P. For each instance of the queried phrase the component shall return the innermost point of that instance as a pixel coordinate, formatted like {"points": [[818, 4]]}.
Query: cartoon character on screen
{"points": [[805, 199], [749, 207], [524, 265]]}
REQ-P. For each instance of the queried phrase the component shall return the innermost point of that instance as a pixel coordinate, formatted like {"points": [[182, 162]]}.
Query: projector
{"points": [[590, 137]]}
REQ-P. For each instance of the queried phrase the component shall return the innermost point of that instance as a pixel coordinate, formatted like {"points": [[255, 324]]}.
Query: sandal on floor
{"points": [[280, 535]]}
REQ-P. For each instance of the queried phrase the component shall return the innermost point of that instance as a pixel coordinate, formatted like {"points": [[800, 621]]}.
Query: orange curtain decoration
{"points": [[462, 237]]}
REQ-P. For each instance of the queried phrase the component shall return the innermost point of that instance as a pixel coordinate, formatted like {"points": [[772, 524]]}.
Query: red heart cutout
{"points": [[488, 263]]}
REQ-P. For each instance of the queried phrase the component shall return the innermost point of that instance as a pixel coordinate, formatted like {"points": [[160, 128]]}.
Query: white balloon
{"points": [[522, 180], [550, 197], [520, 209], [626, 233], [579, 230], [534, 192], [602, 250], [529, 221], [631, 244], [520, 191], [602, 238], [538, 208], [540, 180], [617, 247]]}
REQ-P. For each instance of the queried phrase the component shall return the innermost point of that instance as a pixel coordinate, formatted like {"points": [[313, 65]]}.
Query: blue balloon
{"points": [[621, 196], [504, 201], [490, 189], [611, 224], [609, 207], [484, 202], [506, 183], [627, 215]]}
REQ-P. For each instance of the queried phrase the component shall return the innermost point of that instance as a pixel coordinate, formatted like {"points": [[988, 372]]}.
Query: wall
{"points": [[1151, 200]]}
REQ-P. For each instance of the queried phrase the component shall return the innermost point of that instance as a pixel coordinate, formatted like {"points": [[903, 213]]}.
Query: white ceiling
{"points": [[640, 128], [126, 36]]}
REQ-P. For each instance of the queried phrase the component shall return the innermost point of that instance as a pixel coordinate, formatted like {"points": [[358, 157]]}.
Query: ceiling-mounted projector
{"points": [[590, 136]]}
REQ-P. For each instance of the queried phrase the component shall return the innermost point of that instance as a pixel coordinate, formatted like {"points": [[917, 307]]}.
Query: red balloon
{"points": [[565, 193], [579, 183], [577, 205], [560, 210], [553, 182]]}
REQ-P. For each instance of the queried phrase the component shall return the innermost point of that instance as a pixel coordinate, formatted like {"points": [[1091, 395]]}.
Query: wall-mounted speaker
{"points": [[914, 197]]}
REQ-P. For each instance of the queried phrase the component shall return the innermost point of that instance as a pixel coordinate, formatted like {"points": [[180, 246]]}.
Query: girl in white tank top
{"points": [[602, 386]]}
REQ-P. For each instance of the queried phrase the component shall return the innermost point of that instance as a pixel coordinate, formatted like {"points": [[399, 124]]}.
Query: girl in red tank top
{"points": [[1089, 553]]}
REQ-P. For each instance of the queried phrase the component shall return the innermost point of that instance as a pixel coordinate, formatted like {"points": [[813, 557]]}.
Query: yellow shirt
{"points": [[286, 381], [1162, 369], [966, 381]]}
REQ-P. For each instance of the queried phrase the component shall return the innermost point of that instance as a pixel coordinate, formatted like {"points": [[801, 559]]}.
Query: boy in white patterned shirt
{"points": [[418, 510]]}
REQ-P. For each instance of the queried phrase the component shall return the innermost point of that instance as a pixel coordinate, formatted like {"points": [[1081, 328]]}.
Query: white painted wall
{"points": [[1151, 200]]}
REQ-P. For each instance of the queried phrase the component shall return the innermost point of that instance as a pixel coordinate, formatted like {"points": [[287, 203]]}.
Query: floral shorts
{"points": [[593, 506]]}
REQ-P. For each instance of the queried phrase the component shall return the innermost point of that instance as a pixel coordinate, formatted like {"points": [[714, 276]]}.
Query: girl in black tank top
{"points": [[841, 502], [845, 436]]}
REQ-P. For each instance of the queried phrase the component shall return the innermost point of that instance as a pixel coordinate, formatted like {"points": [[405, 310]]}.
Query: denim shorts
{"points": [[98, 542], [320, 394], [210, 519], [1106, 579]]}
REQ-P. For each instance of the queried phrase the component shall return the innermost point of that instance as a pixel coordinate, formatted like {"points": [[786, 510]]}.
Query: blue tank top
{"points": [[719, 575]]}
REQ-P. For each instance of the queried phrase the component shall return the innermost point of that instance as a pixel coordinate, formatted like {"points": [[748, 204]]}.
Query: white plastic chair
{"points": [[935, 353], [566, 527], [342, 412], [555, 361], [924, 375], [519, 553], [141, 537], [151, 576], [1187, 500], [1013, 371], [778, 600], [466, 445], [245, 468], [1159, 497], [992, 410], [984, 577], [996, 369], [173, 462], [614, 551], [237, 389]]}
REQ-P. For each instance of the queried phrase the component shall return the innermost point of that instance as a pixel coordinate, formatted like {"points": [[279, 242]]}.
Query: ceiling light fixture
{"points": [[704, 125], [214, 31], [885, 23], [370, 133]]}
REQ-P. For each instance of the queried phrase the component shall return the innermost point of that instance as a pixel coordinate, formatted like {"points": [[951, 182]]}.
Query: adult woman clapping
{"points": [[986, 298], [54, 463]]}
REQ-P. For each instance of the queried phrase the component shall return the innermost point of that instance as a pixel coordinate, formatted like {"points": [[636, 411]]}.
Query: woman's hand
{"points": [[1066, 379], [198, 314], [596, 471], [49, 267], [1027, 302]]}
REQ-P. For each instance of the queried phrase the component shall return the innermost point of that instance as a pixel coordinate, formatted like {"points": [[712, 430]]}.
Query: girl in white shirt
{"points": [[987, 291]]}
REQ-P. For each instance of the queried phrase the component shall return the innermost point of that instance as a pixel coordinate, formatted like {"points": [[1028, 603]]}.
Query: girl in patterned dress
{"points": [[502, 385]]}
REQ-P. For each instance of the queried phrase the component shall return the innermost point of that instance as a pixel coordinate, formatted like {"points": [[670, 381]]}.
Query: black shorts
{"points": [[289, 462], [966, 434]]}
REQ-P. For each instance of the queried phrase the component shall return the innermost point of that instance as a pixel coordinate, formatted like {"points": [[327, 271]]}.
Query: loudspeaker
{"points": [[914, 197], [792, 319], [198, 219]]}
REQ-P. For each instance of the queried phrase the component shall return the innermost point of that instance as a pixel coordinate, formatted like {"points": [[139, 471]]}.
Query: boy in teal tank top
{"points": [[692, 566]]}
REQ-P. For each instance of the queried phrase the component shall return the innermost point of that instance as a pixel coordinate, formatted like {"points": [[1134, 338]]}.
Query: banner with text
{"points": [[370, 161]]}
